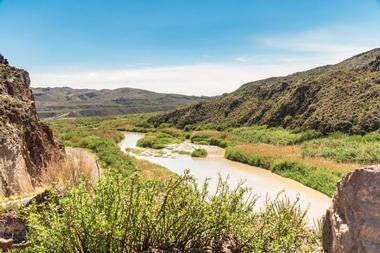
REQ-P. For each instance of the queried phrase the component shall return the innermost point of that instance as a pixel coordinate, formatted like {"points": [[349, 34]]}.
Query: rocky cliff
{"points": [[342, 97], [352, 224], [26, 144]]}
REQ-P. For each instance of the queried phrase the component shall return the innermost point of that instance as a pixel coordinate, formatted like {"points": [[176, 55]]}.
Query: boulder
{"points": [[3, 60], [352, 224], [228, 245], [12, 229]]}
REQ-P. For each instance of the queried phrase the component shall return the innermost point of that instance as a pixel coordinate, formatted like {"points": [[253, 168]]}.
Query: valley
{"points": [[194, 171], [190, 126]]}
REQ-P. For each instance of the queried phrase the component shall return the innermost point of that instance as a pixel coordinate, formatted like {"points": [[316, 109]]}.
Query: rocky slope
{"points": [[26, 144], [52, 102], [342, 97], [352, 223]]}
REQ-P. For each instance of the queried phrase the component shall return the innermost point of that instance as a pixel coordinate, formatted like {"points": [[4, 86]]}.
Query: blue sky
{"points": [[202, 47]]}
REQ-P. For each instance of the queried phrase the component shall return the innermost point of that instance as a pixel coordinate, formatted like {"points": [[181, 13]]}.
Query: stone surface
{"points": [[26, 144], [226, 245], [352, 224], [12, 228]]}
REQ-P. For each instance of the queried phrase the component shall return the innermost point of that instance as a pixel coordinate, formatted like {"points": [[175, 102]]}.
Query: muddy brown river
{"points": [[262, 182]]}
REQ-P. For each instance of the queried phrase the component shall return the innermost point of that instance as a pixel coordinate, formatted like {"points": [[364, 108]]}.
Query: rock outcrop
{"points": [[352, 224], [26, 144]]}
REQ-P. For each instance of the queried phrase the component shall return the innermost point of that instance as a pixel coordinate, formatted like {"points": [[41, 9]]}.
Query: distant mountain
{"points": [[53, 102], [343, 97]]}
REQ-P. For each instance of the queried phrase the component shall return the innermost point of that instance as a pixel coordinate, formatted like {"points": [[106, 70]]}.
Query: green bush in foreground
{"points": [[200, 152], [127, 214], [320, 179]]}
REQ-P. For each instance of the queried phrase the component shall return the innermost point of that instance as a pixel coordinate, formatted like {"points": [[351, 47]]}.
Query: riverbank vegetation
{"points": [[314, 173], [199, 152], [345, 148], [209, 137], [159, 140], [275, 135], [307, 156], [101, 135]]}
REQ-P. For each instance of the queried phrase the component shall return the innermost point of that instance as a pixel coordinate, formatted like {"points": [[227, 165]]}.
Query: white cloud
{"points": [[241, 59], [201, 79], [333, 43]]}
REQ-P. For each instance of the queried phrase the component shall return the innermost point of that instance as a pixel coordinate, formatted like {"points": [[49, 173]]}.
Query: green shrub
{"points": [[320, 179], [200, 140], [127, 214], [189, 128], [200, 152], [344, 148], [158, 140], [209, 137], [217, 142], [233, 154], [275, 135]]}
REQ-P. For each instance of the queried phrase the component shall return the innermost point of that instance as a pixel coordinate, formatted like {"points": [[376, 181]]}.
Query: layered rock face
{"points": [[26, 144], [352, 224]]}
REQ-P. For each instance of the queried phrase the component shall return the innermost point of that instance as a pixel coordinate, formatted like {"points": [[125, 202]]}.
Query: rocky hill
{"points": [[343, 97], [52, 102], [26, 144]]}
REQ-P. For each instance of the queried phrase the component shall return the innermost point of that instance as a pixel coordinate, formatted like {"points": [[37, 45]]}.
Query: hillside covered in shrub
{"points": [[342, 97]]}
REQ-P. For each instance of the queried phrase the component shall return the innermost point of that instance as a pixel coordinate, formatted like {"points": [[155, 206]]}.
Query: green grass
{"points": [[344, 148], [264, 134], [200, 152], [320, 179]]}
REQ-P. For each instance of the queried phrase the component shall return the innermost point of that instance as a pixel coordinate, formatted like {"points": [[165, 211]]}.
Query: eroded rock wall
{"points": [[26, 144], [352, 224]]}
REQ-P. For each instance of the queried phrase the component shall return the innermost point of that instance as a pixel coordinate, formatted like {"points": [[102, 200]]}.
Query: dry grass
{"points": [[172, 131], [294, 153], [209, 134], [151, 171], [62, 173], [69, 171]]}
